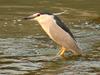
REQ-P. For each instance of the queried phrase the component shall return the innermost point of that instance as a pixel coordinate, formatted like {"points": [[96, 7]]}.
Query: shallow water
{"points": [[25, 49]]}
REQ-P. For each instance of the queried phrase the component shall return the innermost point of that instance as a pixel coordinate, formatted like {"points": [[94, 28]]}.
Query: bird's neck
{"points": [[46, 24]]}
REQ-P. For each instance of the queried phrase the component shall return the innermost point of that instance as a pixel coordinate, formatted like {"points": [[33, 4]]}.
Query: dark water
{"points": [[25, 48]]}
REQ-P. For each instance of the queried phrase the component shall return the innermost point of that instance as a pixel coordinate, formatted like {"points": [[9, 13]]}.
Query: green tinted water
{"points": [[24, 46]]}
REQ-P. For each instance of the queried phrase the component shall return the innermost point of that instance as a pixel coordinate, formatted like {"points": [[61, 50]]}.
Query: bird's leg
{"points": [[59, 52], [62, 52]]}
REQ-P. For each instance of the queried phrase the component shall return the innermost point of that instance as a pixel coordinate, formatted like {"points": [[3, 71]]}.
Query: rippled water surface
{"points": [[25, 49]]}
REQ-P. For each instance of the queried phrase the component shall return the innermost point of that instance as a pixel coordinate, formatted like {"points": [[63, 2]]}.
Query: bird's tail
{"points": [[77, 50]]}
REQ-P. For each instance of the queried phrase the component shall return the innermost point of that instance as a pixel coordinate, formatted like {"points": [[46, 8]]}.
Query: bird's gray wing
{"points": [[63, 26]]}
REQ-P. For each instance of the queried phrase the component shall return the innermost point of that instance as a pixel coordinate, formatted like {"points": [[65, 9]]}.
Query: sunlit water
{"points": [[25, 49]]}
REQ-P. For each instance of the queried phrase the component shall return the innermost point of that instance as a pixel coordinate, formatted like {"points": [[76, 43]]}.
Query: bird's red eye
{"points": [[38, 14]]}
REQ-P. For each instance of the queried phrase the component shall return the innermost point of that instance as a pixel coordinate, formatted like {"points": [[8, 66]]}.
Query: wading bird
{"points": [[57, 31]]}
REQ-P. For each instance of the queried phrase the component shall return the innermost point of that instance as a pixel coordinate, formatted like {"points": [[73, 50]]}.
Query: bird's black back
{"points": [[63, 26]]}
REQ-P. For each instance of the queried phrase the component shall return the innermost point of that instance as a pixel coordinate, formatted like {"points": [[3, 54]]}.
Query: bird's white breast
{"points": [[47, 23], [52, 29]]}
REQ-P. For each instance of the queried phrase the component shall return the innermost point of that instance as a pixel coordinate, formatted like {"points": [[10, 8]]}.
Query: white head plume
{"points": [[60, 13]]}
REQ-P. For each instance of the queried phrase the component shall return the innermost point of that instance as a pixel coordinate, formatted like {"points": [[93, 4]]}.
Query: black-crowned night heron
{"points": [[57, 31]]}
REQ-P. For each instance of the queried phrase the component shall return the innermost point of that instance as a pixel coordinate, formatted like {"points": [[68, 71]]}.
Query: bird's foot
{"points": [[57, 57]]}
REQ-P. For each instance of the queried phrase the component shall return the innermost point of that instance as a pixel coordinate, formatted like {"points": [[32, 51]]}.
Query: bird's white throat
{"points": [[46, 21]]}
